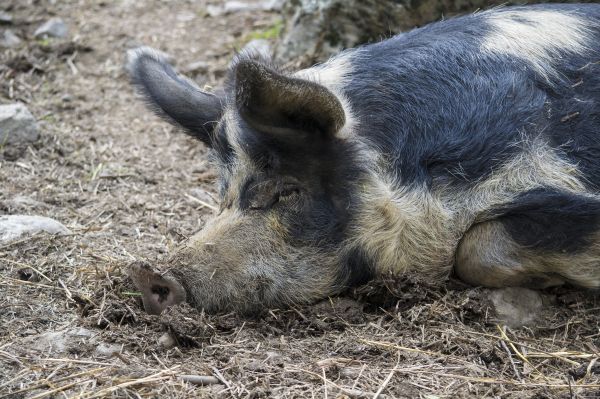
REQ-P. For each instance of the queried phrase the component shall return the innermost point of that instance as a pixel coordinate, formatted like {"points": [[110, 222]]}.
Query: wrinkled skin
{"points": [[277, 238]]}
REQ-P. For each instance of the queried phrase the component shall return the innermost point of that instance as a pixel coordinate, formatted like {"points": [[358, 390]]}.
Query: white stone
{"points": [[55, 342], [9, 39], [17, 125], [517, 307], [107, 350], [231, 7], [166, 341], [14, 226], [54, 27], [5, 18]]}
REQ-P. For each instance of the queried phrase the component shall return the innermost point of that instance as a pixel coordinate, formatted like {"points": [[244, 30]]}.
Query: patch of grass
{"points": [[95, 171], [45, 42], [270, 33]]}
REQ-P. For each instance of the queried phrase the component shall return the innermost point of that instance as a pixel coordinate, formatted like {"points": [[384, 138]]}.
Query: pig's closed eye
{"points": [[287, 194]]}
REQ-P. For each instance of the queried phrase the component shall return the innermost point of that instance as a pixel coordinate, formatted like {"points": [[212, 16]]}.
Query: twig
{"points": [[488, 380], [45, 382], [221, 378], [540, 353], [514, 366], [29, 266], [48, 359], [203, 203], [354, 393], [151, 378], [59, 389], [384, 384], [200, 379]]}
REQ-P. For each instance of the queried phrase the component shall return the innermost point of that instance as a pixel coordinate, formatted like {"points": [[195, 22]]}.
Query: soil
{"points": [[126, 184]]}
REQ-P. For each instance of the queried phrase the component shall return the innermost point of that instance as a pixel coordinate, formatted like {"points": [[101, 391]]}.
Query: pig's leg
{"points": [[545, 238]]}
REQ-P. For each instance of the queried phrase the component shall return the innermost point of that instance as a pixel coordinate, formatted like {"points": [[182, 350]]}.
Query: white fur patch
{"points": [[537, 36], [335, 75], [417, 229]]}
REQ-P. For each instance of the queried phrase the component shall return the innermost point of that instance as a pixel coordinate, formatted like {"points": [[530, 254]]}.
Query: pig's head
{"points": [[286, 190]]}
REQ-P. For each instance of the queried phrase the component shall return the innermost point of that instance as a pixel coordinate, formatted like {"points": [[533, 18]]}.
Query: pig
{"points": [[469, 146]]}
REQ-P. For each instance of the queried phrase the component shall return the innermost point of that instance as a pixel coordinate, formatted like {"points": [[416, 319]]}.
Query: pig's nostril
{"points": [[161, 291]]}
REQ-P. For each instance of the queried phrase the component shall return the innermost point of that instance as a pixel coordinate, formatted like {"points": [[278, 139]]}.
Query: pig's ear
{"points": [[171, 96], [158, 291], [276, 104]]}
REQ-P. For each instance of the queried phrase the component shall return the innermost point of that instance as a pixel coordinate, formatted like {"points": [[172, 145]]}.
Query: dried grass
{"points": [[130, 188]]}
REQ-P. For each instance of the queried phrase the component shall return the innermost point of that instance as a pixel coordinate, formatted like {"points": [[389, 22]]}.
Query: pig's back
{"points": [[453, 101]]}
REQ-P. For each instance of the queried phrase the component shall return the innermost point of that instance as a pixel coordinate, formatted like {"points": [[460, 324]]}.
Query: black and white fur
{"points": [[470, 145]]}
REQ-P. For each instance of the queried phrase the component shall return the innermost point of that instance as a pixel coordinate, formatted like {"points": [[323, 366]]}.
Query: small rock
{"points": [[201, 380], [17, 125], [186, 16], [55, 342], [9, 39], [5, 18], [273, 5], [517, 307], [14, 226], [197, 67], [54, 27], [166, 341], [240, 6], [107, 350], [231, 7]]}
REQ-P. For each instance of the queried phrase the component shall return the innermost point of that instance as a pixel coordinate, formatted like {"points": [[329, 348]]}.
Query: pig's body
{"points": [[470, 145]]}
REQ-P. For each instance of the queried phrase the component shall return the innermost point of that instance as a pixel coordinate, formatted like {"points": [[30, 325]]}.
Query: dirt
{"points": [[72, 324]]}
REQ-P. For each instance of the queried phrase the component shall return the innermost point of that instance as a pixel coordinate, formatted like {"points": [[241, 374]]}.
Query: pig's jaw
{"points": [[258, 285]]}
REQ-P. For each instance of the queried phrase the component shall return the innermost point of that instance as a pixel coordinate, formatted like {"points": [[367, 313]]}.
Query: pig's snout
{"points": [[159, 291]]}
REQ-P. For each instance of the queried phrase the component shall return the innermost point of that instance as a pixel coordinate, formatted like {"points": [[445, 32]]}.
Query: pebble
{"points": [[231, 7], [17, 125], [9, 39], [166, 341], [14, 226], [54, 27], [5, 18], [107, 350], [56, 342], [517, 307]]}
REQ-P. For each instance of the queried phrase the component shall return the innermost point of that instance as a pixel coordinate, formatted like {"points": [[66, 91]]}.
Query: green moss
{"points": [[271, 32], [45, 42]]}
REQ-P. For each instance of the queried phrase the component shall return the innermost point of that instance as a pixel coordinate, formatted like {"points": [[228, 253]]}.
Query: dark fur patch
{"points": [[279, 105], [550, 220], [173, 97], [573, 118], [359, 269], [443, 111]]}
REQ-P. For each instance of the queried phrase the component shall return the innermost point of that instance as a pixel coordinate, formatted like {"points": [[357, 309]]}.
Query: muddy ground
{"points": [[127, 185]]}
